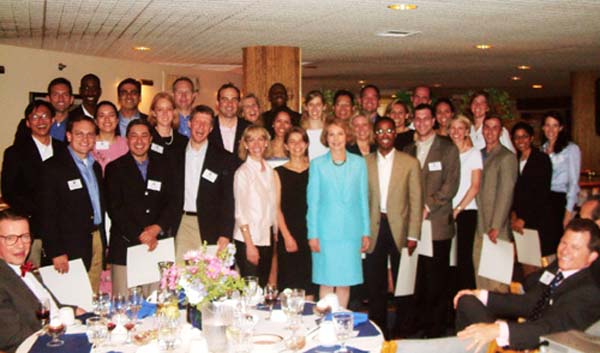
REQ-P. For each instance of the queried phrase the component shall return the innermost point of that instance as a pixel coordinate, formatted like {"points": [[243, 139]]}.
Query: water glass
{"points": [[343, 322], [96, 330], [167, 332], [136, 298]]}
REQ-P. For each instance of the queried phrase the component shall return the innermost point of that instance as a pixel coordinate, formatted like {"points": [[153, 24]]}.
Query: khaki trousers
{"points": [[188, 237], [483, 282], [35, 253], [96, 264]]}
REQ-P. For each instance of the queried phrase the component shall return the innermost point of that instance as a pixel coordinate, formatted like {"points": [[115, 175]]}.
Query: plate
{"points": [[265, 339]]}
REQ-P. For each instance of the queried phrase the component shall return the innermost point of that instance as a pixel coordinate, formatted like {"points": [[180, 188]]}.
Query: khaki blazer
{"points": [[440, 177], [495, 197], [404, 201]]}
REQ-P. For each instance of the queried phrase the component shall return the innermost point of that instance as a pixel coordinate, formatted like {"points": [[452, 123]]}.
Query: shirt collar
{"points": [[202, 148], [87, 161], [135, 116], [427, 142], [388, 157]]}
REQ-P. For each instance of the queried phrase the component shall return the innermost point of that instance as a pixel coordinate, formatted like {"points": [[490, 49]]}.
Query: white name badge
{"points": [[546, 278], [102, 145], [154, 185], [157, 148], [435, 166], [209, 175], [74, 184]]}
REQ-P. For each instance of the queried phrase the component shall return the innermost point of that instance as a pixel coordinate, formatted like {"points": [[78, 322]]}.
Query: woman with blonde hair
{"points": [[465, 207], [166, 140], [250, 109], [338, 214], [254, 191], [362, 128], [312, 121]]}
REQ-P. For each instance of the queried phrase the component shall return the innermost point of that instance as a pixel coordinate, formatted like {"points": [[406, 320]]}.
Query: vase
{"points": [[194, 316], [215, 317]]}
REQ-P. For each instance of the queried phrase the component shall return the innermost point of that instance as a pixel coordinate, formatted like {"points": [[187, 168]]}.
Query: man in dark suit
{"points": [[369, 102], [204, 188], [278, 97], [90, 91], [71, 203], [129, 92], [228, 128], [60, 95], [22, 166], [565, 297], [140, 201], [396, 208], [440, 173]]}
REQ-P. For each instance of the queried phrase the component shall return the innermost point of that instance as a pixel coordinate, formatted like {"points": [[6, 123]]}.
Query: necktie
{"points": [[542, 303]]}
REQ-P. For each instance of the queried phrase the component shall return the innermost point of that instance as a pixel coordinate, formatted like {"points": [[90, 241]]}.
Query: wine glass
{"points": [[55, 329], [136, 298], [270, 297], [343, 322], [96, 330], [43, 312], [292, 304], [249, 291], [101, 302]]}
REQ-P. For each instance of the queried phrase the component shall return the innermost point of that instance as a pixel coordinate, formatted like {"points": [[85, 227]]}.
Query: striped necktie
{"points": [[542, 303]]}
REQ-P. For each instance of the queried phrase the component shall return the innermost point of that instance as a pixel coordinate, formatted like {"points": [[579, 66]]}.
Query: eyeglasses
{"points": [[36, 117], [133, 92], [382, 131], [11, 239]]}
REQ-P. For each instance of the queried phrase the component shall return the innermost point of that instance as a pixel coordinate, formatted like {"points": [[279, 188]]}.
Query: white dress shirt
{"points": [[255, 201], [423, 148], [384, 172], [194, 160], [45, 151], [36, 288], [228, 136]]}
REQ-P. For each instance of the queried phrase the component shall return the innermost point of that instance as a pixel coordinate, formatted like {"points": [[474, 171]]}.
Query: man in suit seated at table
{"points": [[565, 297], [21, 292]]}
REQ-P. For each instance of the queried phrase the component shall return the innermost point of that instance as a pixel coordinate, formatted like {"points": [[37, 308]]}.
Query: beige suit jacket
{"points": [[495, 197], [404, 199], [440, 177]]}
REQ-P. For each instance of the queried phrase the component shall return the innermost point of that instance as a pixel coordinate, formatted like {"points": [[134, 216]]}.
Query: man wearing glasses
{"points": [[23, 163], [129, 92], [228, 128]]}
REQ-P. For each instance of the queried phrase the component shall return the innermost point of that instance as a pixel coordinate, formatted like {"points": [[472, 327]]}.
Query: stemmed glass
{"points": [[119, 305], [136, 298], [292, 304], [249, 291], [43, 312], [270, 297], [101, 303], [55, 329], [343, 322], [96, 330]]}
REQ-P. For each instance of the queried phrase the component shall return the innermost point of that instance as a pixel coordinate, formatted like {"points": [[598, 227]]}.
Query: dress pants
{"points": [[376, 275], [470, 311], [431, 289], [261, 270], [466, 225], [188, 237], [95, 270]]}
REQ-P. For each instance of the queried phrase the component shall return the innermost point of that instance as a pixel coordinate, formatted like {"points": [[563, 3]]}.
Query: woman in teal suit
{"points": [[338, 214]]}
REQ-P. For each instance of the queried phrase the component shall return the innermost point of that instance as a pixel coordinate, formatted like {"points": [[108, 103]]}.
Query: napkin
{"points": [[367, 329], [147, 309], [332, 349], [359, 318], [75, 343]]}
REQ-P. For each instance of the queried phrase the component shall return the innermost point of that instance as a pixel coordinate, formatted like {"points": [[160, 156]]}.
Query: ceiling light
{"points": [[394, 96], [362, 82], [483, 46], [141, 48], [515, 78], [537, 86], [402, 7], [437, 85], [524, 67], [397, 33]]}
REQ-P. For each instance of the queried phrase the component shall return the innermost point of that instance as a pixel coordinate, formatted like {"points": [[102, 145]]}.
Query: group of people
{"points": [[304, 197]]}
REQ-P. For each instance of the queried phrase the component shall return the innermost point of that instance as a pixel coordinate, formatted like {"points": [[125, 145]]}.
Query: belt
{"points": [[383, 215], [96, 228], [190, 213]]}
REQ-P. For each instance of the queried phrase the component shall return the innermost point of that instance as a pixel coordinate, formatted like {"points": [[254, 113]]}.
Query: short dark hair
{"points": [[364, 88], [521, 125], [10, 214], [226, 86], [88, 77], [78, 118], [384, 119], [131, 81], [184, 79], [341, 93], [277, 84], [491, 117], [39, 103], [442, 101], [136, 122], [60, 81], [109, 103], [586, 225], [202, 109], [425, 106]]}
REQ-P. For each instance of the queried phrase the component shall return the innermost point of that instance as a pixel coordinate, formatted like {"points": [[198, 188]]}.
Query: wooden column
{"points": [[265, 65], [584, 107]]}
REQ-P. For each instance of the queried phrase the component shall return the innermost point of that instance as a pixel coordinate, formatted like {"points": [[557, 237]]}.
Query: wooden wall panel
{"points": [[265, 65], [583, 117]]}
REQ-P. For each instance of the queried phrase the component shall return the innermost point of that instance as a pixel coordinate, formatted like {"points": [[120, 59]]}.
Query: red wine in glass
{"points": [[56, 330], [129, 326], [43, 314], [111, 326], [270, 299]]}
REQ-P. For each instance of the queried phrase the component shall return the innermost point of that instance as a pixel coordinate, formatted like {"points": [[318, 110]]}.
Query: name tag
{"points": [[546, 278], [157, 148], [209, 175], [154, 185], [74, 184], [102, 145], [435, 166]]}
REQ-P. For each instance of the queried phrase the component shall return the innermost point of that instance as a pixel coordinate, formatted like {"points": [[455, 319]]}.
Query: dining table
{"points": [[367, 336]]}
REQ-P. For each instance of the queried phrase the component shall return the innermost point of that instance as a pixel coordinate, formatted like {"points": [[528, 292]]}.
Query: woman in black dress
{"points": [[294, 258]]}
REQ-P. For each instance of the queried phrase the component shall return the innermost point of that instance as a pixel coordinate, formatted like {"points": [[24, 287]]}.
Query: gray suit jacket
{"points": [[17, 309], [495, 197], [440, 177], [404, 199]]}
